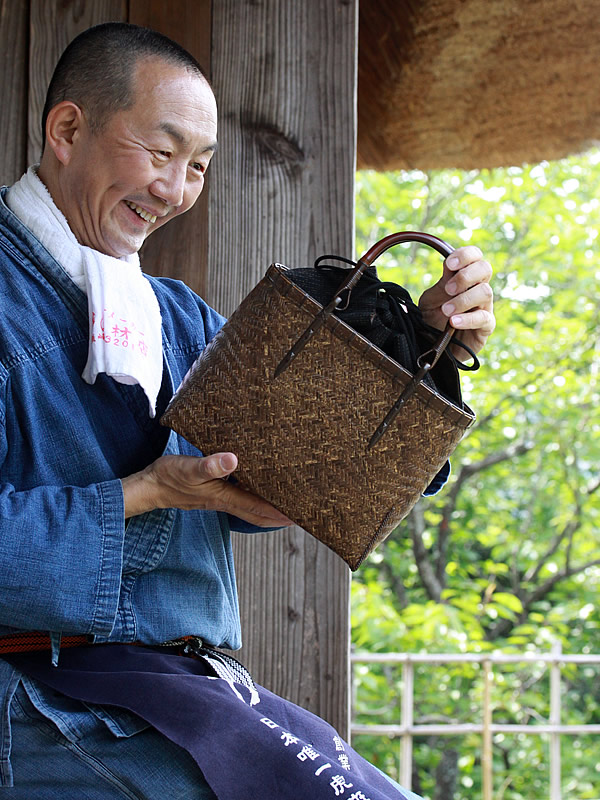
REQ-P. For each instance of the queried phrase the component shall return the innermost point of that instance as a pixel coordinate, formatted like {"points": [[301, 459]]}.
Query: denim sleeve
{"points": [[61, 557], [241, 526]]}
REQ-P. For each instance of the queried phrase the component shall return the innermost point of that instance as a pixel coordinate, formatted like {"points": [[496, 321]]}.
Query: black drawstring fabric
{"points": [[408, 319], [385, 314]]}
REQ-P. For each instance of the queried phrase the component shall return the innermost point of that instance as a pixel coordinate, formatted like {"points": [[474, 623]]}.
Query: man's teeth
{"points": [[143, 214]]}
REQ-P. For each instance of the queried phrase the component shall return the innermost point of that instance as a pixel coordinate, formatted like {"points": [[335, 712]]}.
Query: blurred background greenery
{"points": [[506, 557]]}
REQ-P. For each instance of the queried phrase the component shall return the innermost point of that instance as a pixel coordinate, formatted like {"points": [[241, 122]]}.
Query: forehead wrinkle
{"points": [[180, 138], [173, 132]]}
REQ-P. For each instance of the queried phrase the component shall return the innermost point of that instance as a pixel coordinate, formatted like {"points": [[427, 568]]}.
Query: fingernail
{"points": [[452, 262], [456, 321], [226, 462], [451, 287], [448, 309]]}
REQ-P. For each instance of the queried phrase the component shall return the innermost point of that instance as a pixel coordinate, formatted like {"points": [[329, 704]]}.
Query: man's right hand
{"points": [[190, 482]]}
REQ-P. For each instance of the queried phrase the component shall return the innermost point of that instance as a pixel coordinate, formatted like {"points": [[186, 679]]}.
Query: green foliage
{"points": [[507, 556]]}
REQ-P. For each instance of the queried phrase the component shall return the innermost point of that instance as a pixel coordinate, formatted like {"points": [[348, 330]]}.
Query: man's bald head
{"points": [[97, 69]]}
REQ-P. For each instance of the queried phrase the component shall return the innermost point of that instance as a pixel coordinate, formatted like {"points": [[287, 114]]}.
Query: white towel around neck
{"points": [[125, 322]]}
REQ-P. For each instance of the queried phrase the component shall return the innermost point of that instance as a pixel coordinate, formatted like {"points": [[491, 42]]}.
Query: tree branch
{"points": [[567, 532], [394, 580], [466, 471], [566, 572], [505, 626], [422, 556], [548, 372], [512, 451]]}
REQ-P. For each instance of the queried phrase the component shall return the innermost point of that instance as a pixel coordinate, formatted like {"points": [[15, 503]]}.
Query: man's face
{"points": [[145, 166]]}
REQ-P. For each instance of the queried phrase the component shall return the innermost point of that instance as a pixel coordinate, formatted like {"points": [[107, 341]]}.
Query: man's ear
{"points": [[63, 125]]}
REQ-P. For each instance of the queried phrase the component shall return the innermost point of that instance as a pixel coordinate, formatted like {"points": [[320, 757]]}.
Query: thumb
{"points": [[218, 465]]}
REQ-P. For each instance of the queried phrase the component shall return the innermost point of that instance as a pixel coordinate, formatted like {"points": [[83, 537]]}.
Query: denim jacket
{"points": [[69, 561]]}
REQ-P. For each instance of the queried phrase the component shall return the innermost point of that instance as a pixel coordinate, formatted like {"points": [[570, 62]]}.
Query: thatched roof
{"points": [[476, 83]]}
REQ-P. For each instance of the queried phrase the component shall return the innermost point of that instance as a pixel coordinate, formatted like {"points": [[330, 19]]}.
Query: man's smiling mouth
{"points": [[140, 211]]}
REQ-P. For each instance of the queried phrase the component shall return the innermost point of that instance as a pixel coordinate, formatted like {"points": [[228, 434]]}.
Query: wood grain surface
{"points": [[14, 39], [53, 25]]}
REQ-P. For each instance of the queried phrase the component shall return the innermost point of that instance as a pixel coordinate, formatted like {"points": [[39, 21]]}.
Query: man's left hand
{"points": [[464, 296]]}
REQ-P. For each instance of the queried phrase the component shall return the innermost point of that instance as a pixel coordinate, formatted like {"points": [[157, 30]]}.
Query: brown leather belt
{"points": [[36, 640]]}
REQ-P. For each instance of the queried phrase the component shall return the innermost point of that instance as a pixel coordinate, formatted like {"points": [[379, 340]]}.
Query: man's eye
{"points": [[162, 154], [196, 165]]}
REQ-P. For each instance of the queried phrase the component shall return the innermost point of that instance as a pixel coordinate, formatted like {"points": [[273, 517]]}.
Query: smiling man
{"points": [[118, 178], [116, 572]]}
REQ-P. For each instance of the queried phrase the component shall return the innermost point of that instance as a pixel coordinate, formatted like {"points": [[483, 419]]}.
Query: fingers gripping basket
{"points": [[326, 427]]}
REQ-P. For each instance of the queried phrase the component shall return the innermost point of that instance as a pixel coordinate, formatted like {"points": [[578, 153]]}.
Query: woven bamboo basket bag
{"points": [[329, 429]]}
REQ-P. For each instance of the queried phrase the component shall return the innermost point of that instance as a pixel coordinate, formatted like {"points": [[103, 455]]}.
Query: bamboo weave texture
{"points": [[301, 439]]}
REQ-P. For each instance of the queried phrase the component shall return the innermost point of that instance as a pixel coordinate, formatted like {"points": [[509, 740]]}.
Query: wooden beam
{"points": [[284, 75]]}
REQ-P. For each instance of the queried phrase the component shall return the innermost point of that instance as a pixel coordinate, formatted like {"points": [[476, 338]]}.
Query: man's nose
{"points": [[170, 185]]}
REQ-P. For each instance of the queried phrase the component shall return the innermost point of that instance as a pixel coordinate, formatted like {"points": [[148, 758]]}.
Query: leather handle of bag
{"points": [[429, 359], [350, 282], [400, 238]]}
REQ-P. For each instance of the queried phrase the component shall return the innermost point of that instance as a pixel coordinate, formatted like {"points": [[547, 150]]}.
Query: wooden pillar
{"points": [[14, 59], [284, 74]]}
